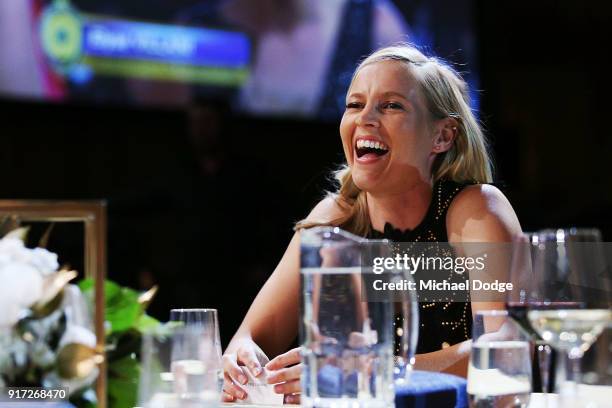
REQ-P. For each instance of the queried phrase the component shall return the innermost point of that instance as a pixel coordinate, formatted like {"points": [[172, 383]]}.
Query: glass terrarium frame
{"points": [[92, 213]]}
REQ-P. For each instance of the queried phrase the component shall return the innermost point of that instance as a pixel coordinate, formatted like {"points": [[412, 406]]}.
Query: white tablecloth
{"points": [[590, 396]]}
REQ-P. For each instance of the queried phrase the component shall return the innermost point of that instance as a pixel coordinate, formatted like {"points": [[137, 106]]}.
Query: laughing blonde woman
{"points": [[417, 169]]}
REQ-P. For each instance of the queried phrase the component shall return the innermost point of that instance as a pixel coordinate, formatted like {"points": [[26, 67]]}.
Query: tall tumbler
{"points": [[352, 352]]}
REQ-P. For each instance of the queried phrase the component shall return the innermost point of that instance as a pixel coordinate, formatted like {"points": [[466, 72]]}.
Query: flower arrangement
{"points": [[45, 330], [46, 337]]}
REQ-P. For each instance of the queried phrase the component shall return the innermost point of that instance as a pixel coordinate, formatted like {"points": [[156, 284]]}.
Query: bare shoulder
{"points": [[325, 211], [482, 213]]}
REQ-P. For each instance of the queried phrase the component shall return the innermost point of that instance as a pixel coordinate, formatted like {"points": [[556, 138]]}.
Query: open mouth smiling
{"points": [[370, 149]]}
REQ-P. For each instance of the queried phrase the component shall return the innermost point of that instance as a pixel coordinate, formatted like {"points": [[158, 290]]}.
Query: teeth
{"points": [[371, 144]]}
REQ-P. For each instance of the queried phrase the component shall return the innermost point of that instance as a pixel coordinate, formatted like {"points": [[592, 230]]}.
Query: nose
{"points": [[368, 117]]}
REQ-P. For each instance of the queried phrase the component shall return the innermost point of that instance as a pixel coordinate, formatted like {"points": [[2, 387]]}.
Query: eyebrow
{"points": [[392, 93], [384, 95]]}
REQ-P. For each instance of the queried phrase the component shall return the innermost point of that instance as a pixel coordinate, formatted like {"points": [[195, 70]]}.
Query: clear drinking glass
{"points": [[572, 297], [196, 354], [180, 368], [156, 386], [196, 365], [499, 372], [204, 317], [351, 349]]}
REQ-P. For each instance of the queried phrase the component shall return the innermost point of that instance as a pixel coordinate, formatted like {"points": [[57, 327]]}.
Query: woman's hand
{"points": [[285, 370], [246, 355]]}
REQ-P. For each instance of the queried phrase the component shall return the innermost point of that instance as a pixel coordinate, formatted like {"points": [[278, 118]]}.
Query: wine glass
{"points": [[522, 298], [571, 303], [499, 372]]}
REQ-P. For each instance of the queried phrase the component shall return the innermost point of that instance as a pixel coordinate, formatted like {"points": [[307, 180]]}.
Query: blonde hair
{"points": [[446, 95]]}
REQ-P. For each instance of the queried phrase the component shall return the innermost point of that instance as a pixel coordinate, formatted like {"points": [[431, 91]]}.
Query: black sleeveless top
{"points": [[441, 324]]}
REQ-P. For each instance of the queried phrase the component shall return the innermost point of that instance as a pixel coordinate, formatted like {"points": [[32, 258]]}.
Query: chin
{"points": [[366, 182]]}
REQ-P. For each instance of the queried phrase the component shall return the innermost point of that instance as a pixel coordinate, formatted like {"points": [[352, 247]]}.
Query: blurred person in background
{"points": [[304, 50], [21, 71]]}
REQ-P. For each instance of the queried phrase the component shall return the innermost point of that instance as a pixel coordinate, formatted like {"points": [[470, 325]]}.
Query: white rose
{"points": [[4, 259], [9, 316], [12, 248], [44, 261], [20, 288]]}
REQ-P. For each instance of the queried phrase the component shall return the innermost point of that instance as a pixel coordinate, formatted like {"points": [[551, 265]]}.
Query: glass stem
{"points": [[572, 370], [544, 354]]}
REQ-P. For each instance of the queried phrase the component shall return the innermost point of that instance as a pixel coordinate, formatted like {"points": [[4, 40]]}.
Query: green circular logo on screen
{"points": [[61, 33]]}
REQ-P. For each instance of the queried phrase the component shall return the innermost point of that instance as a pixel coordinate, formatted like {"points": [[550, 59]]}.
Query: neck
{"points": [[403, 210]]}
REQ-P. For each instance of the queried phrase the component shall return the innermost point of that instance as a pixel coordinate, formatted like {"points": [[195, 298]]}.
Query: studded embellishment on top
{"points": [[441, 322]]}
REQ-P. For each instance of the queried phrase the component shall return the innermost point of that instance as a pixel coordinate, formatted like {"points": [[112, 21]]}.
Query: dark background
{"points": [[202, 201]]}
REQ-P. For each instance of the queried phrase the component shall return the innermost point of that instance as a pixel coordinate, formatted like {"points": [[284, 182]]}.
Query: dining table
{"points": [[425, 389], [437, 390], [422, 389]]}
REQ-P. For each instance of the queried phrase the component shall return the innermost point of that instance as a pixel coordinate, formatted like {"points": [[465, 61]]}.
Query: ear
{"points": [[445, 132]]}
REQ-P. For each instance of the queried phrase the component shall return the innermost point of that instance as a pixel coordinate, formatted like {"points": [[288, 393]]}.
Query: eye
{"points": [[354, 105], [392, 105]]}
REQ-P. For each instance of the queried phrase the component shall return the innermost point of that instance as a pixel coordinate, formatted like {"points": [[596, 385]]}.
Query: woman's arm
{"points": [[272, 319], [479, 214], [271, 323]]}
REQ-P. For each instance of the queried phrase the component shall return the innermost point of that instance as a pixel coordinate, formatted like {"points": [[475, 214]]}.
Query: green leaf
{"points": [[86, 285], [123, 344], [122, 309], [124, 375], [146, 323]]}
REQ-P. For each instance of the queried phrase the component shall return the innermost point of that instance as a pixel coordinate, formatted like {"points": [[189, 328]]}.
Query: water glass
{"points": [[350, 352], [205, 318], [196, 365], [195, 317], [181, 366], [499, 372], [156, 385]]}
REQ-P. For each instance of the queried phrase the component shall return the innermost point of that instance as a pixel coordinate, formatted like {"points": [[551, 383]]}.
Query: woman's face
{"points": [[385, 130]]}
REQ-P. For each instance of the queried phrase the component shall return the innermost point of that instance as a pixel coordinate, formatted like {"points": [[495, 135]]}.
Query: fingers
{"points": [[231, 391], [230, 366], [357, 340], [228, 397], [286, 370], [285, 374], [291, 357], [292, 399], [246, 356], [290, 387]]}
